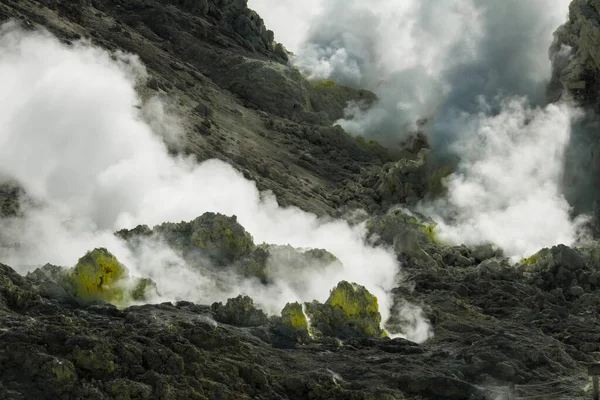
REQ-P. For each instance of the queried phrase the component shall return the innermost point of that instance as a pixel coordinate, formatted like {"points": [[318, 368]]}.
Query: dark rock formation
{"points": [[350, 311], [575, 74], [10, 194]]}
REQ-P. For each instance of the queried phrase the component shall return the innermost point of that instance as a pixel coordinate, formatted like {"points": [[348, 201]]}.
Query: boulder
{"points": [[293, 324], [483, 252], [350, 311], [217, 237], [97, 276], [239, 311]]}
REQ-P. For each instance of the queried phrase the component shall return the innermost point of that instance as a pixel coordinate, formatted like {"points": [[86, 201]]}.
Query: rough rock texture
{"points": [[294, 324], [575, 56], [350, 311], [220, 238], [240, 312], [97, 277], [493, 324], [216, 241], [10, 194]]}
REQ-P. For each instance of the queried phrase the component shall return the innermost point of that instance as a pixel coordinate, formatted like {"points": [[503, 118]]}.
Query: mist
{"points": [[428, 59], [476, 72], [507, 189], [82, 144]]}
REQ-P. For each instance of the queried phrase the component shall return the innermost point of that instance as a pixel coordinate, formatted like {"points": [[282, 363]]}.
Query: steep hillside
{"points": [[575, 72], [230, 83]]}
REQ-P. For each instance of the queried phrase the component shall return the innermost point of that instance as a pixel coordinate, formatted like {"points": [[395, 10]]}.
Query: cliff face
{"points": [[575, 53], [575, 56]]}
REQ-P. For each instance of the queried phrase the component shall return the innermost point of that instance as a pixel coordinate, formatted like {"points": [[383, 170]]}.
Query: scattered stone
{"points": [[482, 253], [464, 261], [239, 311], [461, 290], [577, 291]]}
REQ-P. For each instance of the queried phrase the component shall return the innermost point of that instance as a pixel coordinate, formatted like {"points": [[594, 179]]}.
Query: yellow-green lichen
{"points": [[62, 371], [94, 362], [429, 231], [536, 258], [142, 289], [222, 237], [353, 300], [97, 276], [293, 316]]}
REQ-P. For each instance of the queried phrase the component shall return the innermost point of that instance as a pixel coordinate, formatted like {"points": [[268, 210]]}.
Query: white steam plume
{"points": [[477, 70], [429, 58], [289, 19], [507, 187], [73, 135]]}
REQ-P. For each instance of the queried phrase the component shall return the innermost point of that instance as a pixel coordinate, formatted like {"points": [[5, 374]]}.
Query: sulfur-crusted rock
{"points": [[386, 227], [214, 236], [573, 271], [223, 242], [239, 311], [293, 323], [99, 276], [350, 311]]}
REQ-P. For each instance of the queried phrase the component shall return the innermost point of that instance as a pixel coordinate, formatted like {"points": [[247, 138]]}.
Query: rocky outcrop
{"points": [[575, 55], [350, 311], [10, 195], [239, 311], [493, 323], [97, 277], [217, 241]]}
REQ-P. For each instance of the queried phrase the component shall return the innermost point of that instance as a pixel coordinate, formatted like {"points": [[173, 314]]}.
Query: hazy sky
{"points": [[289, 19]]}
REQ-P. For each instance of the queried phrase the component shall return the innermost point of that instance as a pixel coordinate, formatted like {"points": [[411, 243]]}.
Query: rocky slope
{"points": [[239, 100], [535, 324], [575, 72], [493, 323]]}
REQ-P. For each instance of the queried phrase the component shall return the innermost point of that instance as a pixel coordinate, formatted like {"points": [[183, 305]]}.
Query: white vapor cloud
{"points": [[76, 136], [289, 20], [429, 58], [507, 188], [477, 71]]}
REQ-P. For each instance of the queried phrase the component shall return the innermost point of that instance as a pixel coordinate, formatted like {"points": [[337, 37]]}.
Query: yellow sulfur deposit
{"points": [[99, 276]]}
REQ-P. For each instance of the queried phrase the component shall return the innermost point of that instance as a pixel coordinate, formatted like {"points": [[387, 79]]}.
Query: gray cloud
{"points": [[433, 59]]}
